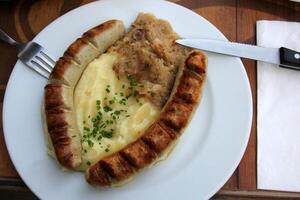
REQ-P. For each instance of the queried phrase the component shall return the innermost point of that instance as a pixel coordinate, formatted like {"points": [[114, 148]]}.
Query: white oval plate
{"points": [[208, 151]]}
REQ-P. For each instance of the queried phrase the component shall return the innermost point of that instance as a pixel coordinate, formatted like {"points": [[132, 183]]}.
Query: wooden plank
{"points": [[41, 13], [83, 2], [287, 4], [16, 193], [259, 194], [16, 182], [248, 12], [13, 189], [7, 53], [221, 13], [246, 33], [232, 183], [2, 91]]}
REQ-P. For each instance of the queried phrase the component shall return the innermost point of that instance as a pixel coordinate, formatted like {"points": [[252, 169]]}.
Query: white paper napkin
{"points": [[278, 112]]}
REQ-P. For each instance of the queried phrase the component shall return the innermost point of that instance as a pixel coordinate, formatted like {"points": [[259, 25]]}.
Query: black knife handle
{"points": [[289, 58]]}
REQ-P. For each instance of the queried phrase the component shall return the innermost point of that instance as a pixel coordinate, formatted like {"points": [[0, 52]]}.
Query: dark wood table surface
{"points": [[235, 18]]}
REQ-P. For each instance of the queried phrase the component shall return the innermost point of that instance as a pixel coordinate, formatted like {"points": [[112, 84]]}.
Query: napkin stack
{"points": [[278, 112]]}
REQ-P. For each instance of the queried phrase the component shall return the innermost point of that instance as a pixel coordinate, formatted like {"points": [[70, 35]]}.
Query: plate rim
{"points": [[245, 78]]}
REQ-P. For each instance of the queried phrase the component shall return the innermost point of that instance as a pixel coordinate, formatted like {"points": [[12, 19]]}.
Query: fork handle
{"points": [[4, 37]]}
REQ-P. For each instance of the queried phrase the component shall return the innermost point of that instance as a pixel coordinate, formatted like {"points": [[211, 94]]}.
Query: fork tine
{"points": [[48, 59], [38, 67], [46, 65]]}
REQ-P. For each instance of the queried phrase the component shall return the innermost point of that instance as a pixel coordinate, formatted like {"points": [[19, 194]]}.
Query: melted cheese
{"points": [[92, 87]]}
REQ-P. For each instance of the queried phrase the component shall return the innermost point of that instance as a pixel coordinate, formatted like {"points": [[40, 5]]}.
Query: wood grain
{"points": [[233, 182], [45, 16], [23, 19], [260, 194], [7, 53], [246, 33], [221, 13], [13, 188]]}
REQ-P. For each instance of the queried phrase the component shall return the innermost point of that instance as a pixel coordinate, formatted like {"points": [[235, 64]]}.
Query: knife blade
{"points": [[282, 56]]}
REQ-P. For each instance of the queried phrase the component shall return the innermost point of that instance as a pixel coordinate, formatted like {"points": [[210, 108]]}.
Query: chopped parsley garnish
{"points": [[107, 108], [107, 89], [88, 163], [90, 143], [132, 81], [103, 123], [107, 134]]}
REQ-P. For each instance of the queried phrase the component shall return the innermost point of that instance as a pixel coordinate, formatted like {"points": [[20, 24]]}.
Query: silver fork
{"points": [[32, 55]]}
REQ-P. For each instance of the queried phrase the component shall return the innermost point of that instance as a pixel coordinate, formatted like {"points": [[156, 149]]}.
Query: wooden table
{"points": [[235, 18]]}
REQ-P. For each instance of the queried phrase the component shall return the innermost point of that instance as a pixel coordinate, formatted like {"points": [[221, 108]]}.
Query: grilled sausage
{"points": [[162, 133], [59, 109]]}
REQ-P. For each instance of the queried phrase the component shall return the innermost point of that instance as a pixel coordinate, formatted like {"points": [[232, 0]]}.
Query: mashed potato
{"points": [[99, 83]]}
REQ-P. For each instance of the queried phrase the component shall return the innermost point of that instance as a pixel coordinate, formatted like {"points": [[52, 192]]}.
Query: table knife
{"points": [[284, 57]]}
